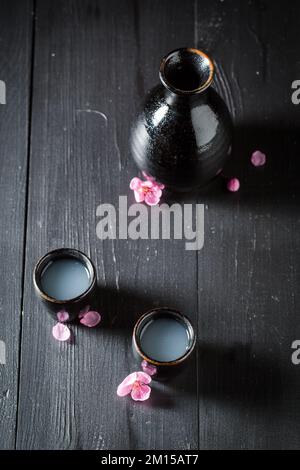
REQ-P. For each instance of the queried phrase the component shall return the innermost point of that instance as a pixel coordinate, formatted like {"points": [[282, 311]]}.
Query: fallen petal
{"points": [[143, 377], [130, 379], [62, 316], [258, 158], [152, 198], [61, 332], [123, 390], [152, 179], [125, 387], [233, 185], [139, 196], [91, 319], [148, 368], [140, 392], [135, 183], [148, 184]]}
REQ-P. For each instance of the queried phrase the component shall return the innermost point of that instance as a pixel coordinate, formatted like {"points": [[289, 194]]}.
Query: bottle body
{"points": [[184, 142]]}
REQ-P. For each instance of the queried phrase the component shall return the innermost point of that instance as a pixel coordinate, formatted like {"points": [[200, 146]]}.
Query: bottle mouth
{"points": [[58, 254], [186, 71], [163, 312]]}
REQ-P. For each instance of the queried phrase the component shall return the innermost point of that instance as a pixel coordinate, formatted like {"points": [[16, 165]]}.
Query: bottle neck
{"points": [[174, 99]]}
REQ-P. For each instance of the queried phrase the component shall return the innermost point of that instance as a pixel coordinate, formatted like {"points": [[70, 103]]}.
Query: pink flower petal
{"points": [[139, 196], [123, 390], [157, 192], [130, 379], [125, 387], [148, 184], [233, 185], [61, 332], [140, 392], [62, 316], [157, 186], [143, 377], [152, 179], [148, 368], [153, 197], [136, 383], [149, 191], [135, 183], [91, 319], [258, 158]]}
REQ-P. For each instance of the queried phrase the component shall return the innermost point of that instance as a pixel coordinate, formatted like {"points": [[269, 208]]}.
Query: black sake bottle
{"points": [[182, 137]]}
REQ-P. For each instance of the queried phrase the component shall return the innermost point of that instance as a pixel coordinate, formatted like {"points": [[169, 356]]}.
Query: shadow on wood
{"points": [[120, 309], [275, 182], [237, 376]]}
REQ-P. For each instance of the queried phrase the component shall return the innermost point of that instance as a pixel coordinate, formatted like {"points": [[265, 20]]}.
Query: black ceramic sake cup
{"points": [[74, 305], [168, 368]]}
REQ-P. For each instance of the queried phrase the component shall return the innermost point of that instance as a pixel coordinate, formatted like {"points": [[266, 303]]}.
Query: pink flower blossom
{"points": [[62, 316], [135, 384], [61, 332], [233, 185], [151, 178], [89, 317], [148, 368], [258, 158], [146, 191]]}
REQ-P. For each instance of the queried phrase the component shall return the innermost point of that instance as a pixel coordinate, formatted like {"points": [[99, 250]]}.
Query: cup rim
{"points": [[180, 91], [57, 254], [153, 312]]}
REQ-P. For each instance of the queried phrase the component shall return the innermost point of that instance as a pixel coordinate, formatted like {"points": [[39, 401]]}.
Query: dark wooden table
{"points": [[64, 63]]}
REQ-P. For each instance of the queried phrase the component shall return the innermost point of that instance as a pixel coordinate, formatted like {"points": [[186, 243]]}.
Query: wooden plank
{"points": [[94, 61], [249, 267], [15, 65]]}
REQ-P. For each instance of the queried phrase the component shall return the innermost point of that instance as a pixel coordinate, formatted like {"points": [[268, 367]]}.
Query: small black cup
{"points": [[74, 305], [164, 369]]}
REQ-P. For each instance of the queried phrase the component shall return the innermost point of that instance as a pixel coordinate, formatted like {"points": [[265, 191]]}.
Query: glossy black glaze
{"points": [[164, 369], [72, 306], [182, 137]]}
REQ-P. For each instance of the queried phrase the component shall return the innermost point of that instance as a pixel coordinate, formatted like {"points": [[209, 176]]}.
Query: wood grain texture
{"points": [[15, 56], [249, 267], [93, 62]]}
